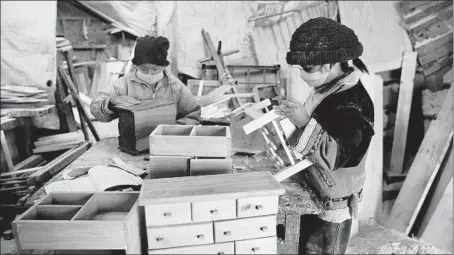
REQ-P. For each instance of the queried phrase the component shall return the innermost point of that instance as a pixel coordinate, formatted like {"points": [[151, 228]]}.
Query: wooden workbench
{"points": [[292, 204]]}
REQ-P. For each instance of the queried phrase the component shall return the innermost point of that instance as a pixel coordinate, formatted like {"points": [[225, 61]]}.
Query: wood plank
{"points": [[407, 7], [403, 112], [424, 168], [133, 231], [435, 199], [291, 170], [424, 11], [432, 25], [57, 147], [210, 166], [28, 112], [8, 123], [209, 187], [65, 136], [18, 172], [6, 152], [29, 162], [59, 163], [436, 53]]}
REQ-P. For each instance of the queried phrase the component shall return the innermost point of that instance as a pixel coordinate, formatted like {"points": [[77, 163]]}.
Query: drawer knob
{"points": [[167, 214], [214, 211], [264, 228], [227, 233], [159, 239], [255, 249], [259, 207], [200, 236]]}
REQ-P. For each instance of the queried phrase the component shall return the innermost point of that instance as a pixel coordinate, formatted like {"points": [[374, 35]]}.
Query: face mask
{"points": [[150, 79], [314, 79]]}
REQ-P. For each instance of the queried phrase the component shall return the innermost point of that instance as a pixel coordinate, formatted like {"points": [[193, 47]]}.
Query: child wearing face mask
{"points": [[149, 80], [334, 130]]}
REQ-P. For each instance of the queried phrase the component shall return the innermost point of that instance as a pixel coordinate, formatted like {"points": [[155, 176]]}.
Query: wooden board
{"points": [[423, 169], [28, 112], [373, 21], [371, 206], [209, 187], [29, 162], [403, 112]]}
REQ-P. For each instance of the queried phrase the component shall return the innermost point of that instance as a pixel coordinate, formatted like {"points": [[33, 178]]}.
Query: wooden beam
{"points": [[18, 172], [424, 168], [59, 163], [29, 162], [230, 52], [403, 111], [291, 170]]}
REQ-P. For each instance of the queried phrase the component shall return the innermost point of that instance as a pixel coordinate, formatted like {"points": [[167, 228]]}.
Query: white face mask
{"points": [[315, 79], [150, 79]]}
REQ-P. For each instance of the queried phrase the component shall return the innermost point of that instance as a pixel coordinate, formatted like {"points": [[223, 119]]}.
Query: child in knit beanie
{"points": [[334, 130]]}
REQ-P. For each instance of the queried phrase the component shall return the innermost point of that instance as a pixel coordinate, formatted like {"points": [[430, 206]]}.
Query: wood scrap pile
{"points": [[13, 96], [16, 181], [58, 142], [429, 24]]}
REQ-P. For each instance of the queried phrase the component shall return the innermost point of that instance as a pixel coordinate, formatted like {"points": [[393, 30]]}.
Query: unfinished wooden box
{"points": [[136, 122], [212, 214], [192, 141], [81, 221]]}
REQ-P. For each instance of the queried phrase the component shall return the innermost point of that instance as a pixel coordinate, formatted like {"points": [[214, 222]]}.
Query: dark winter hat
{"points": [[151, 50], [323, 41]]}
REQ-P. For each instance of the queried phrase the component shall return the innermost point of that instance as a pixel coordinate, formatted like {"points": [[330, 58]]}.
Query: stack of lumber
{"points": [[58, 142], [429, 24], [13, 96]]}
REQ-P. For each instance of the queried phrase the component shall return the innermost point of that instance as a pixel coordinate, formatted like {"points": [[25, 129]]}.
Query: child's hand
{"points": [[292, 110]]}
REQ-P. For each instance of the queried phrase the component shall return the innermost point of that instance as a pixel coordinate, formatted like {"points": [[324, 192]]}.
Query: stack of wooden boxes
{"points": [[177, 150], [136, 122], [212, 214]]}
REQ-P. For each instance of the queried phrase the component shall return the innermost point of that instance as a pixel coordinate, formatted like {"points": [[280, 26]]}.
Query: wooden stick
{"points": [[6, 152], [403, 112], [23, 171], [230, 52], [29, 162], [291, 170], [199, 91], [260, 122], [78, 104]]}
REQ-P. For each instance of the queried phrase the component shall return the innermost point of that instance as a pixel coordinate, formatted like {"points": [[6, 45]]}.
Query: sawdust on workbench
{"points": [[376, 239]]}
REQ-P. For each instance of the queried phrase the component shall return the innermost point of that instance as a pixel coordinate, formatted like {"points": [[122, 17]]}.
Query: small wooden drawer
{"points": [[247, 228], [167, 214], [181, 235], [267, 245], [81, 221], [206, 166], [217, 248], [256, 206], [213, 210]]}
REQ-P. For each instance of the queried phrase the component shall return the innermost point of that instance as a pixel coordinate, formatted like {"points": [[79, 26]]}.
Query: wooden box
{"points": [[211, 214], [192, 141], [81, 221], [136, 122]]}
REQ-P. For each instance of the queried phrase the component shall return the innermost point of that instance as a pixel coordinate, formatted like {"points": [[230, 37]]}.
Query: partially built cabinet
{"points": [[211, 214], [136, 122], [177, 150], [81, 221]]}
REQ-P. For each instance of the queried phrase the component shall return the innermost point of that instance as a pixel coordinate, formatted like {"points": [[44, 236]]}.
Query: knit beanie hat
{"points": [[151, 50], [323, 41]]}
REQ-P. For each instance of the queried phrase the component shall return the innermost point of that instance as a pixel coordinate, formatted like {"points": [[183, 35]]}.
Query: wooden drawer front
{"points": [[181, 235], [239, 229], [256, 206], [267, 245], [218, 248], [168, 214], [213, 210]]}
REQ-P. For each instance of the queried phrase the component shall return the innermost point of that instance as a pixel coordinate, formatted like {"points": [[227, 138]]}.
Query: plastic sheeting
{"points": [[28, 47], [137, 15]]}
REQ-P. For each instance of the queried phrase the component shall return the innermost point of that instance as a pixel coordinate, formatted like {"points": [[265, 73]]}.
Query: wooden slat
{"points": [[260, 122], [406, 7], [23, 171], [29, 162], [59, 163], [208, 187], [424, 168], [424, 11], [403, 111], [291, 170], [6, 152], [57, 147]]}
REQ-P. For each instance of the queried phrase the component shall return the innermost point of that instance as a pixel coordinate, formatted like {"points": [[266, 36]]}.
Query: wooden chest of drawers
{"points": [[212, 214]]}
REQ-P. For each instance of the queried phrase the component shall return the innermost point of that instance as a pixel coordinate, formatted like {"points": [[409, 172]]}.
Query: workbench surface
{"points": [[296, 199]]}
